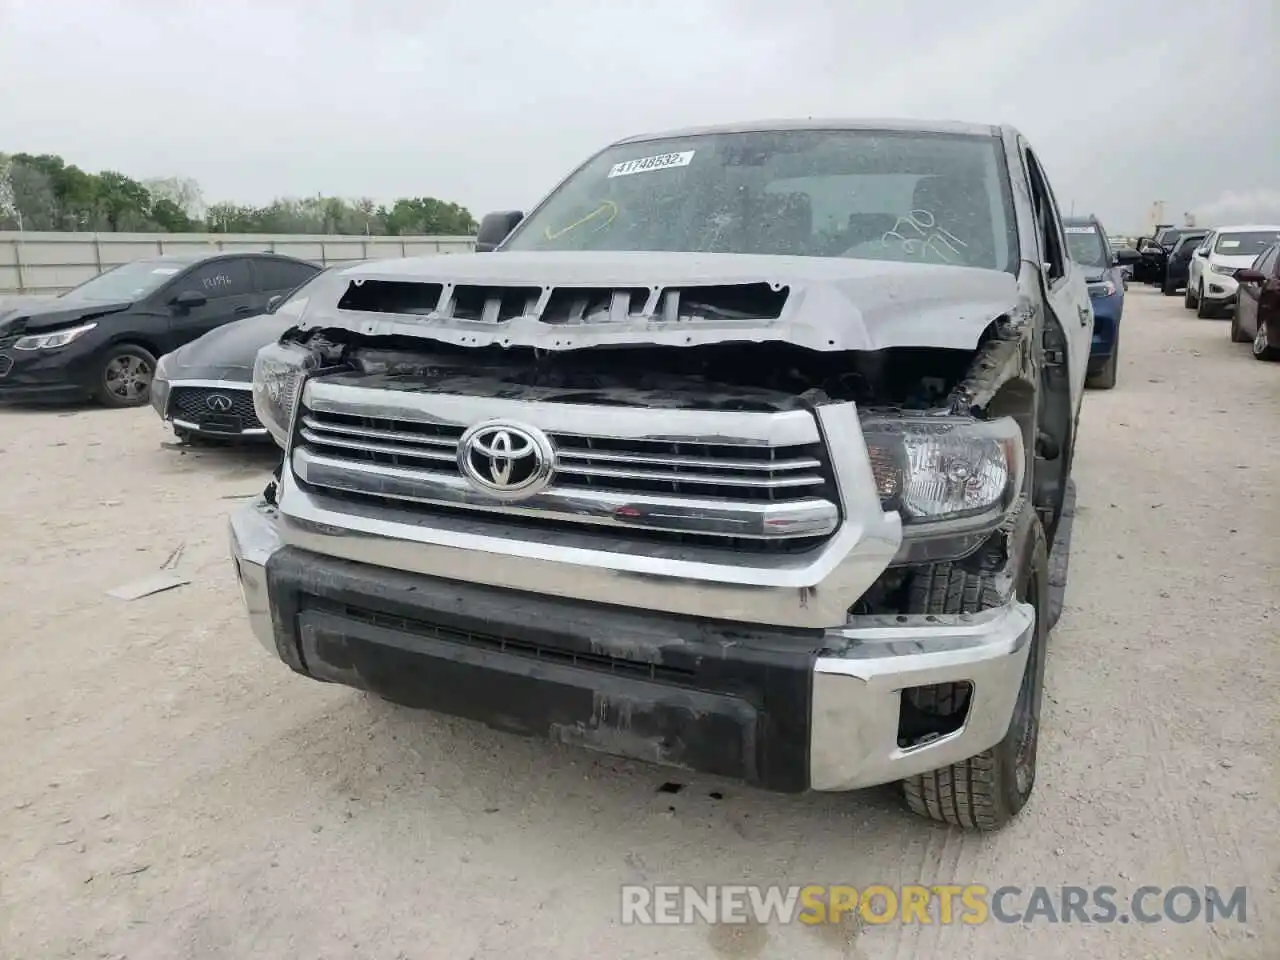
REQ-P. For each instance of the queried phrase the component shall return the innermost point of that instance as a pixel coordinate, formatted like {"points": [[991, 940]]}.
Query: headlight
{"points": [[49, 341], [1099, 290], [1223, 269], [278, 374], [160, 385], [946, 476]]}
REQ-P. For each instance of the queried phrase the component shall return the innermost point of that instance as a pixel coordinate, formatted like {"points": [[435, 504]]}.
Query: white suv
{"points": [[1212, 286]]}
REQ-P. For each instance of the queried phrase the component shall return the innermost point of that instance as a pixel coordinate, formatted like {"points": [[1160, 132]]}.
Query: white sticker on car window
{"points": [[164, 271], [1228, 244], [663, 161], [1079, 229]]}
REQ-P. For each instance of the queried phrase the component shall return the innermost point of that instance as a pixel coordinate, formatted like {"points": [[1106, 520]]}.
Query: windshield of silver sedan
{"points": [[864, 194]]}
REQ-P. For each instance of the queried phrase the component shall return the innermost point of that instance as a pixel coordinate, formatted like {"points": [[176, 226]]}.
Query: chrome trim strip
{"points": [[765, 520], [704, 479], [786, 428], [242, 385], [369, 433], [399, 449], [196, 428], [811, 589], [565, 453]]}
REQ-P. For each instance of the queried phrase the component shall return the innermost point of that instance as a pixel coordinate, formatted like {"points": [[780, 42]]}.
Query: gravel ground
{"points": [[170, 791]]}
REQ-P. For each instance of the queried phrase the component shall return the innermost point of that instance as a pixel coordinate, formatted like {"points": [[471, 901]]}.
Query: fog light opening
{"points": [[932, 711]]}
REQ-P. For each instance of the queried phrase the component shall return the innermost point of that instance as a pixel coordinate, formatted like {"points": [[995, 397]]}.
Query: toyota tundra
{"points": [[742, 452]]}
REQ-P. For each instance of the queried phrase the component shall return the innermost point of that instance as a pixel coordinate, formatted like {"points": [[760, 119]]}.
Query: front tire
{"points": [[124, 376], [1169, 291], [1189, 298], [1237, 335], [987, 791], [1203, 309]]}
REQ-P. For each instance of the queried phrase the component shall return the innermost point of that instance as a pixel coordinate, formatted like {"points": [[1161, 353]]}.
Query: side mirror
{"points": [[189, 298], [1126, 255], [1249, 275], [274, 302], [495, 227]]}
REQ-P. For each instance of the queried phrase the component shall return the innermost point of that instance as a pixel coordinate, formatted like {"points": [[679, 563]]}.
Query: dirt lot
{"points": [[169, 791]]}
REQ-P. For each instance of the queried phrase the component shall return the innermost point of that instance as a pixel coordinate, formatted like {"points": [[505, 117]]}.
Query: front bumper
{"points": [[1106, 325], [1220, 289], [52, 375], [183, 403], [784, 709]]}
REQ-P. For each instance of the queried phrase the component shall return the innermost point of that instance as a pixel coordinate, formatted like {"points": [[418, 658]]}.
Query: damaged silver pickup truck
{"points": [[741, 453]]}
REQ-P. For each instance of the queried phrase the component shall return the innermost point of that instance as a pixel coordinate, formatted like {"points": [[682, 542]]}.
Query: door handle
{"points": [[243, 311]]}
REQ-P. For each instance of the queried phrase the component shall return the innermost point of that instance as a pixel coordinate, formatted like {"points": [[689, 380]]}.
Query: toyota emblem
{"points": [[218, 402], [506, 460]]}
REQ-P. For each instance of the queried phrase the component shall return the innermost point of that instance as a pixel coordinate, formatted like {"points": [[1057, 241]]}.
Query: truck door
{"points": [[1064, 281]]}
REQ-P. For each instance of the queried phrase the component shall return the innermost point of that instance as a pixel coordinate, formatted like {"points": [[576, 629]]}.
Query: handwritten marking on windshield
{"points": [[925, 235], [607, 207]]}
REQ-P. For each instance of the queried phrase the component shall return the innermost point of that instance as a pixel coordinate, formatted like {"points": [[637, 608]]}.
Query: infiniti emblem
{"points": [[218, 402], [506, 460]]}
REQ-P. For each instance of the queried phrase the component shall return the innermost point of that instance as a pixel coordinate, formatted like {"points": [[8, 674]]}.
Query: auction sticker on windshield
{"points": [[662, 161], [1080, 229]]}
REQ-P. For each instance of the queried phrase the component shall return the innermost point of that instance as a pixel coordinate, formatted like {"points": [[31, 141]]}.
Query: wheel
{"points": [[1169, 291], [1203, 309], [1262, 348], [1105, 378], [124, 378], [1237, 335], [1189, 298], [987, 791]]}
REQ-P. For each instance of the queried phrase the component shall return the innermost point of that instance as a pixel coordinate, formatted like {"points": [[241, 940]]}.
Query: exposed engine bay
{"points": [[721, 376]]}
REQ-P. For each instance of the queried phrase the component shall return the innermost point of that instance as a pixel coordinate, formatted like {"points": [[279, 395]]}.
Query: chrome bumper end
{"points": [[254, 539], [857, 692]]}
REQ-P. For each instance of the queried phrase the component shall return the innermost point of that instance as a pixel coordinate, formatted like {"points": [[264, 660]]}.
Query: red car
{"points": [[1257, 315]]}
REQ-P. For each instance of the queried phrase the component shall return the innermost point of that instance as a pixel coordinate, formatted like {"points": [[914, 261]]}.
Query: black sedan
{"points": [[204, 389], [101, 340]]}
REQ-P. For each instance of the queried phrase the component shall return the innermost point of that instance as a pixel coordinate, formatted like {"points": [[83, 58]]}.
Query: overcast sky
{"points": [[489, 102]]}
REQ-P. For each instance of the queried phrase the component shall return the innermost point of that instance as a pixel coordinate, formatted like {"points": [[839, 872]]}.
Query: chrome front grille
{"points": [[761, 489]]}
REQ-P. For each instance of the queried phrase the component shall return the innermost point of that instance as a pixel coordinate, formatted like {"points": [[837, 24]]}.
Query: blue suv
{"points": [[1088, 246]]}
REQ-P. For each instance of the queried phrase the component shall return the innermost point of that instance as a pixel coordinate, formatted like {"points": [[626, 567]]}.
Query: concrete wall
{"points": [[52, 263]]}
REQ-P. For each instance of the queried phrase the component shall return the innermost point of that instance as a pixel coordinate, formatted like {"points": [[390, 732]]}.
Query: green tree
{"points": [[123, 201], [44, 192]]}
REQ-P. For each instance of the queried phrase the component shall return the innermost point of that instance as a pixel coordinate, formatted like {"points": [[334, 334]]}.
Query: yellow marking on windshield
{"points": [[608, 205]]}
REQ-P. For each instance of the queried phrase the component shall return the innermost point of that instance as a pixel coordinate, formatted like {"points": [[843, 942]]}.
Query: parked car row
{"points": [[103, 339], [1212, 287]]}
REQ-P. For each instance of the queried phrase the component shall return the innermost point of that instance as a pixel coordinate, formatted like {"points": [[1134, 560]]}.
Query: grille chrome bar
{"points": [[735, 428], [757, 520], [348, 442], [566, 455], [371, 433], [755, 477], [671, 476]]}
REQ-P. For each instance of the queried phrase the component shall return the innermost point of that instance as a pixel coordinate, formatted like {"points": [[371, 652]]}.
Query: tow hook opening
{"points": [[932, 711]]}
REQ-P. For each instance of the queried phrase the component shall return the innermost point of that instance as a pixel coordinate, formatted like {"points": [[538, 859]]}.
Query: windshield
{"points": [[129, 281], [292, 304], [875, 195], [1086, 246], [1245, 244]]}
